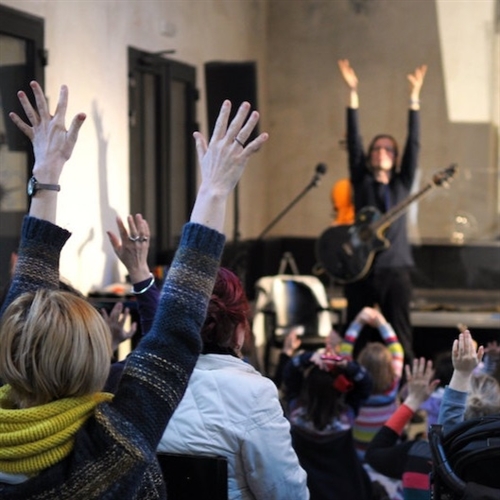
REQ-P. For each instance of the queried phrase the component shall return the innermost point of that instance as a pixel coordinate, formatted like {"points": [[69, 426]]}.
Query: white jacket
{"points": [[230, 409]]}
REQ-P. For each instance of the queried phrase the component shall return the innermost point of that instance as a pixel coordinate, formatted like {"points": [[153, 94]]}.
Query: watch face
{"points": [[31, 186]]}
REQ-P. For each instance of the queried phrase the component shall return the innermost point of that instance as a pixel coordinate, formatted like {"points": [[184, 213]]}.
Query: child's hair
{"points": [[54, 345], [483, 398], [322, 401], [377, 360]]}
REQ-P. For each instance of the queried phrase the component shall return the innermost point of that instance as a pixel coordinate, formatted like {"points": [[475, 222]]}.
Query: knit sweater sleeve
{"points": [[156, 374], [147, 304], [38, 258]]}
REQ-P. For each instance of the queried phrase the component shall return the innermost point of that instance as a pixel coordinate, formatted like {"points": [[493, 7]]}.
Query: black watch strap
{"points": [[34, 186]]}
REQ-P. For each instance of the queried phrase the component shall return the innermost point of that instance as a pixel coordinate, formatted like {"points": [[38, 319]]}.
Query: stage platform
{"points": [[450, 319], [437, 315]]}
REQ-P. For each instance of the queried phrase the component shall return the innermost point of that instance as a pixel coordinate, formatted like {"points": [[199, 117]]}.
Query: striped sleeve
{"points": [[395, 348], [351, 335]]}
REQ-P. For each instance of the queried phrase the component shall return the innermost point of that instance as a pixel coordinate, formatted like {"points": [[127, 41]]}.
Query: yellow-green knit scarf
{"points": [[33, 439]]}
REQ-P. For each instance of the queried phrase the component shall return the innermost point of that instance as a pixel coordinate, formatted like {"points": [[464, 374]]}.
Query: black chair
{"points": [[284, 301], [189, 477], [334, 471], [466, 461]]}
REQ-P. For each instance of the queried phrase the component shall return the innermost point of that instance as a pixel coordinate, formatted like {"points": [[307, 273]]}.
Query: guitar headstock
{"points": [[445, 176]]}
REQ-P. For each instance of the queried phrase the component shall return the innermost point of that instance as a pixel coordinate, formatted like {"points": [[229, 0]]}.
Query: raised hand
{"points": [[222, 162], [292, 341], [348, 74], [132, 246], [420, 382], [464, 355], [328, 363], [416, 80], [371, 316], [465, 358], [116, 320], [52, 143]]}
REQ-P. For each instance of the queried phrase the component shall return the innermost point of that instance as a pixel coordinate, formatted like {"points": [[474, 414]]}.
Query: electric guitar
{"points": [[346, 252]]}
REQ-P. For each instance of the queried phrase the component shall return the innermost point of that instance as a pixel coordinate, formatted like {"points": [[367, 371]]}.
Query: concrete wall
{"points": [[296, 44], [384, 41]]}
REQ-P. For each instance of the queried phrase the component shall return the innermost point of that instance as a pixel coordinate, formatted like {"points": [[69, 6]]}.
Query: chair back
{"points": [[189, 477], [286, 300]]}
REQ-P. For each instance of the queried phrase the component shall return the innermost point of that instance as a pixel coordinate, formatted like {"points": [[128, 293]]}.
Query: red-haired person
{"points": [[230, 409]]}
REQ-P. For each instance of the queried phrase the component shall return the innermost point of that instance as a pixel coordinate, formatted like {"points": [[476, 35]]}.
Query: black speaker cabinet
{"points": [[236, 81]]}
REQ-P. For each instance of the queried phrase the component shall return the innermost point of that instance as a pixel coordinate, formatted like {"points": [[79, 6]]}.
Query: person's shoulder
{"points": [[230, 371], [236, 386]]}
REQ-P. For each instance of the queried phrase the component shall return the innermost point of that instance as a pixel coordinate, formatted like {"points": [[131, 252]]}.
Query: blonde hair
{"points": [[483, 398], [377, 360], [53, 345]]}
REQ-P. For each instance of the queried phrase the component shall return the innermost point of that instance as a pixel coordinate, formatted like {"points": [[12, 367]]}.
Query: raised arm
{"points": [[384, 453], [377, 320], [222, 162], [52, 145], [416, 80], [351, 81], [157, 371], [357, 160], [131, 247], [41, 241], [465, 358]]}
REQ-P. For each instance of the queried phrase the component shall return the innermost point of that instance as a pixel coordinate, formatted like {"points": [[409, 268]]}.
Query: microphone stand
{"points": [[247, 258], [314, 182]]}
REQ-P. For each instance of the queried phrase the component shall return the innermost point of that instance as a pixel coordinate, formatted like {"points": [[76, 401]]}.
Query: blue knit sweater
{"points": [[114, 456]]}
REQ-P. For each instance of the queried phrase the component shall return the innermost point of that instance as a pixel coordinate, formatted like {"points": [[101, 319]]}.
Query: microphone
{"points": [[320, 171]]}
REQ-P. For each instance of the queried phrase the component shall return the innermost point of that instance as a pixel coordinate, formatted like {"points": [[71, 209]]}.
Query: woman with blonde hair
{"points": [[64, 438]]}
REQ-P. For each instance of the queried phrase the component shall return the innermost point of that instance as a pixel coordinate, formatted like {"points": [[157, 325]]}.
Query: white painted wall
{"points": [[87, 43]]}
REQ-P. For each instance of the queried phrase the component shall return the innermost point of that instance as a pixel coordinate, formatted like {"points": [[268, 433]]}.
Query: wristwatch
{"points": [[34, 186]]}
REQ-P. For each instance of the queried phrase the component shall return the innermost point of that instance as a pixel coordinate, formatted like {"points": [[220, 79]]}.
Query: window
{"points": [[162, 97], [22, 59]]}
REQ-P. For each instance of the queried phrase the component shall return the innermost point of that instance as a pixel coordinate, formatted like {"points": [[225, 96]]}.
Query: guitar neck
{"points": [[398, 210]]}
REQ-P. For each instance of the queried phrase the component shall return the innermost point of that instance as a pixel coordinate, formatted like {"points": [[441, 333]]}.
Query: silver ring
{"points": [[134, 238], [239, 142], [143, 238]]}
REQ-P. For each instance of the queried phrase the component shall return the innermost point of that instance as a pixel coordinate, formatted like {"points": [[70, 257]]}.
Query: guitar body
{"points": [[347, 251]]}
